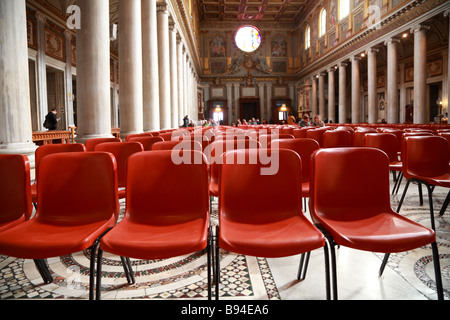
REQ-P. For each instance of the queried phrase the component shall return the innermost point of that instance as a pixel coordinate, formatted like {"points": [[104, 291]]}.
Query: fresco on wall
{"points": [[217, 47], [218, 67], [279, 47], [279, 66], [333, 13]]}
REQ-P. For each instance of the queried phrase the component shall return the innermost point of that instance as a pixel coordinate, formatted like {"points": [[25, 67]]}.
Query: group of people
{"points": [[306, 121]]}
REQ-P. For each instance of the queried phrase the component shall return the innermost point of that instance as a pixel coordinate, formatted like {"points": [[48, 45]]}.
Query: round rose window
{"points": [[248, 38]]}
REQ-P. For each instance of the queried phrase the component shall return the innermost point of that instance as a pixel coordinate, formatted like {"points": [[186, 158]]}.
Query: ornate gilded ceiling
{"points": [[251, 10]]}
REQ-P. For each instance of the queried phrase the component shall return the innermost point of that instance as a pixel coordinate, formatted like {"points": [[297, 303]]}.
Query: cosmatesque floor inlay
{"points": [[242, 277]]}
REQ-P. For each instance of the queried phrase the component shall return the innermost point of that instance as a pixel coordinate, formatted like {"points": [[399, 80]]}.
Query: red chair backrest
{"points": [[316, 134], [77, 188], [138, 135], [247, 195], [360, 180], [167, 136], [91, 143], [426, 156], [15, 188], [146, 141], [446, 135], [386, 142], [48, 149], [304, 148], [174, 191], [337, 138], [183, 144], [121, 151]]}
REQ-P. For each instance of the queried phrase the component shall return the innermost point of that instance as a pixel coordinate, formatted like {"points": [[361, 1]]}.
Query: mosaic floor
{"points": [[243, 277]]}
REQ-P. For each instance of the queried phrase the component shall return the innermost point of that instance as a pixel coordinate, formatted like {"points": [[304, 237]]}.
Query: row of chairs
{"points": [[236, 203]]}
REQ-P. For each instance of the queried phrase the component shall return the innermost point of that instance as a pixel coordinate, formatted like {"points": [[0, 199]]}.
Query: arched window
{"points": [[307, 37], [344, 8], [322, 22]]}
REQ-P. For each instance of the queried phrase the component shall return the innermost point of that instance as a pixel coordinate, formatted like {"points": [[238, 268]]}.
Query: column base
{"points": [[27, 148], [83, 138]]}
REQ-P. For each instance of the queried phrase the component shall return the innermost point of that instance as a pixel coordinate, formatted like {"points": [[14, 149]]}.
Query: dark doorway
{"points": [[434, 100], [249, 108]]}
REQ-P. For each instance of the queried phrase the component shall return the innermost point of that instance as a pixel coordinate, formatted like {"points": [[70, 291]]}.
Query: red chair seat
{"points": [[157, 240], [385, 232], [36, 239], [286, 237]]}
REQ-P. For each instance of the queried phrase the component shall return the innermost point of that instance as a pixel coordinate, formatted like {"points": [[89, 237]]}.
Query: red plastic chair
{"points": [[146, 141], [261, 215], [121, 151], [388, 143], [304, 148], [426, 161], [15, 191], [91, 143], [46, 150], [317, 134], [222, 147], [165, 228], [139, 135], [184, 144], [337, 138], [167, 136], [353, 209], [78, 203]]}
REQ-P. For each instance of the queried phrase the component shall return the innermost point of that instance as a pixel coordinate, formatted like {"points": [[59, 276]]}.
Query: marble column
{"points": [[322, 96], [447, 107], [185, 82], [68, 80], [130, 67], [164, 65], [356, 90], [181, 113], [115, 96], [15, 115], [331, 95], [342, 93], [313, 96], [392, 81], [237, 96], [372, 85], [173, 76], [421, 108], [262, 113], [230, 103], [41, 68], [150, 66], [269, 102], [93, 71]]}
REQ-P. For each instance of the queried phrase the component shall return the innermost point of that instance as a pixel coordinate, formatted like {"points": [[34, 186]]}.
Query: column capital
{"points": [[372, 50], [391, 41], [447, 13], [161, 7], [419, 27], [332, 69], [68, 34], [40, 17], [342, 64], [355, 59]]}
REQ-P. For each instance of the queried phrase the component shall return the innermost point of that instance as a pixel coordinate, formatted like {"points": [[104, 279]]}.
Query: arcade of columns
{"points": [[157, 89], [394, 111]]}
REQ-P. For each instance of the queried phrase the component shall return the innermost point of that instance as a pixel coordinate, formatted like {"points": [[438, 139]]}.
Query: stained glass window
{"points": [[248, 38]]}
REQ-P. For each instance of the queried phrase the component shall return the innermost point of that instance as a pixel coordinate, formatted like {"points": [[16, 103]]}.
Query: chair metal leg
{"points": [[383, 264], [98, 291], [437, 271], [420, 193], [303, 267], [208, 255], [217, 262], [126, 263], [334, 270], [445, 205], [430, 199], [399, 181], [43, 270], [94, 249], [327, 271], [403, 195]]}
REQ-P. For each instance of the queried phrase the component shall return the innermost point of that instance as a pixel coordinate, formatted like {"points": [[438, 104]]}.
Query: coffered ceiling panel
{"points": [[251, 10]]}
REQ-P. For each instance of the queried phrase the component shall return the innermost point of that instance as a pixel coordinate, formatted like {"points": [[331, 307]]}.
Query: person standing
{"points": [[51, 122]]}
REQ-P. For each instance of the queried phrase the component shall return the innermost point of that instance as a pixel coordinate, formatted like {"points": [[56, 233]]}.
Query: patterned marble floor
{"points": [[409, 275]]}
